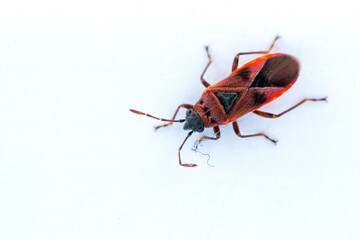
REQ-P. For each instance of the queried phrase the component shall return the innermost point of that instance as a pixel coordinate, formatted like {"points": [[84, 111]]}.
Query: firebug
{"points": [[246, 89]]}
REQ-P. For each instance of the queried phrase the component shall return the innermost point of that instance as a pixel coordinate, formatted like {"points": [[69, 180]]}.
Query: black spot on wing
{"points": [[244, 74], [259, 98], [278, 71], [227, 99]]}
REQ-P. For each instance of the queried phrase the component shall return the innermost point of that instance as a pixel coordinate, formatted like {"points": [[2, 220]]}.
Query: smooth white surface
{"points": [[76, 164]]}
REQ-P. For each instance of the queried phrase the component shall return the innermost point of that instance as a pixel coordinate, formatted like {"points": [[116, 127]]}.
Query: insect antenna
{"points": [[161, 119]]}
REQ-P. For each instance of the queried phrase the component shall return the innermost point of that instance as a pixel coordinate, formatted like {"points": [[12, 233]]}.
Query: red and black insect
{"points": [[245, 90]]}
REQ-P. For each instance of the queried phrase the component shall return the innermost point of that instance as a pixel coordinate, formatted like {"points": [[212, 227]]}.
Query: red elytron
{"points": [[245, 90]]}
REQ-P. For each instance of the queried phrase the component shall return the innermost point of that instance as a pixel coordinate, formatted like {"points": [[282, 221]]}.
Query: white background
{"points": [[76, 164]]}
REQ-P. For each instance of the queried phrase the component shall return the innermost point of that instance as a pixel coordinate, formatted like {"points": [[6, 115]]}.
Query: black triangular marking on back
{"points": [[227, 99], [278, 71]]}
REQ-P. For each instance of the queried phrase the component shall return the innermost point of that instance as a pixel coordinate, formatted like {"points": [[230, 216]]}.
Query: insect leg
{"points": [[236, 59], [185, 164], [237, 132], [272, 115], [203, 137], [203, 81], [187, 106]]}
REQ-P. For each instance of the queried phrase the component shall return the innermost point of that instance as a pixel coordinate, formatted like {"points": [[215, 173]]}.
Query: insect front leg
{"points": [[203, 81], [203, 137], [272, 115], [187, 106], [237, 132], [236, 59]]}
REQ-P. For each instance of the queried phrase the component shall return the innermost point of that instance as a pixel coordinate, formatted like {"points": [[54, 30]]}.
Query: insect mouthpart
{"points": [[193, 121]]}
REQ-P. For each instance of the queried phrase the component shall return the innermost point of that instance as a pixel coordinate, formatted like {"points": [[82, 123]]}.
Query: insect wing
{"points": [[257, 83]]}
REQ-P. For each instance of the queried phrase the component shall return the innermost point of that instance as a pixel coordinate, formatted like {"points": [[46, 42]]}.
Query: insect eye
{"points": [[188, 112], [200, 129]]}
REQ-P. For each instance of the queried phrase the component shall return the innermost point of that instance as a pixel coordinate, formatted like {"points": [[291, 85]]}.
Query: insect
{"points": [[246, 89]]}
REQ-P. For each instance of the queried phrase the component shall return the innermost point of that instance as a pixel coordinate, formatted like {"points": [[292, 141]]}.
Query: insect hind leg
{"points": [[272, 115], [236, 58]]}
